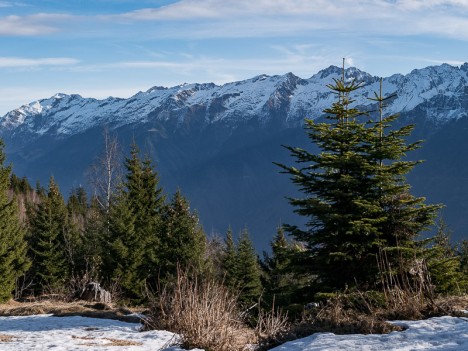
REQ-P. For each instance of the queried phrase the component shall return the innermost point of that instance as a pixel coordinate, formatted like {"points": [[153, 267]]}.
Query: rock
{"points": [[93, 292]]}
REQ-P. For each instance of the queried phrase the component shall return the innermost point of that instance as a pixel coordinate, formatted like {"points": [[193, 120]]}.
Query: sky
{"points": [[101, 48]]}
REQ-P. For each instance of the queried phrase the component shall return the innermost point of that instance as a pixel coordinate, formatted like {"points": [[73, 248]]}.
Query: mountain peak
{"points": [[286, 98]]}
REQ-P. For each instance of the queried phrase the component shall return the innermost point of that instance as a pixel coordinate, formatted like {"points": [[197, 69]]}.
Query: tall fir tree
{"points": [[125, 253], [280, 283], [183, 238], [355, 193], [135, 226], [443, 263], [13, 247], [403, 216], [229, 261], [94, 240], [48, 241], [248, 270]]}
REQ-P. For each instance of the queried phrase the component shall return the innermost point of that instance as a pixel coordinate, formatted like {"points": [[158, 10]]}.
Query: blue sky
{"points": [[101, 48]]}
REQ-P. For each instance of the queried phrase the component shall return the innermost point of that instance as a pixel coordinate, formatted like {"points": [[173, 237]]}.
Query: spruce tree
{"points": [[281, 284], [444, 264], [125, 251], [247, 270], [229, 261], [48, 241], [135, 226], [13, 248], [356, 198], [403, 216], [94, 240], [183, 238]]}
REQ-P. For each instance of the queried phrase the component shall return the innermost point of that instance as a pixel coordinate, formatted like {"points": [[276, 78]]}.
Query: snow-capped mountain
{"points": [[287, 98], [218, 142]]}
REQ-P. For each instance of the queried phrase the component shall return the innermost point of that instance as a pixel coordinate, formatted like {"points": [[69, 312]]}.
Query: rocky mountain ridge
{"points": [[218, 143], [287, 98]]}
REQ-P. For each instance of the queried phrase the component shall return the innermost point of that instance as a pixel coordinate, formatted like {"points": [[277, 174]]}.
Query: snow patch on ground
{"points": [[46, 332], [440, 333]]}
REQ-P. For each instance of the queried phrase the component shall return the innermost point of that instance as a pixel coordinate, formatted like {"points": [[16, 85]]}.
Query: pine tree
{"points": [[229, 261], [281, 284], [183, 239], [403, 216], [125, 253], [247, 270], [48, 241], [356, 198], [462, 252], [13, 260], [135, 226], [444, 264], [94, 240]]}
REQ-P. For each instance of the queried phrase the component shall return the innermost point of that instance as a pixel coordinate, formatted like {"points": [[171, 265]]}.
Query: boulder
{"points": [[93, 292]]}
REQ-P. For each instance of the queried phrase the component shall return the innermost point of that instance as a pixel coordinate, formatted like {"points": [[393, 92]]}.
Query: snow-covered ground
{"points": [[45, 332], [441, 333]]}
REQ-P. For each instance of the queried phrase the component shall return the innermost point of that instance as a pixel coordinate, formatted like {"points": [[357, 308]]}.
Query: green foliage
{"points": [[94, 241], [229, 261], [134, 237], [242, 268], [462, 253], [280, 282], [444, 264], [248, 270], [125, 255], [356, 198], [182, 238], [48, 242], [13, 260]]}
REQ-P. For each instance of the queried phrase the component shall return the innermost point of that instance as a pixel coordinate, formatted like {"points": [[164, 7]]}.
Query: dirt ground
{"points": [[79, 308]]}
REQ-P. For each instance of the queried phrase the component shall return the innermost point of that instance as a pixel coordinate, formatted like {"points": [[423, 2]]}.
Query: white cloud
{"points": [[21, 62], [32, 25], [259, 18], [11, 4]]}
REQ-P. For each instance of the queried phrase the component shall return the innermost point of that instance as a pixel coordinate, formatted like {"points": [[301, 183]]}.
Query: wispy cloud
{"points": [[202, 19], [21, 62], [32, 25], [246, 18], [12, 4]]}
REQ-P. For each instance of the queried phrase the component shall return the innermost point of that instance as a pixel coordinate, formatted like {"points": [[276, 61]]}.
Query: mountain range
{"points": [[218, 143]]}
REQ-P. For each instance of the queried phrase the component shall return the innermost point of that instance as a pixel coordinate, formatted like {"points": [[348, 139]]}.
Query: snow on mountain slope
{"points": [[290, 99]]}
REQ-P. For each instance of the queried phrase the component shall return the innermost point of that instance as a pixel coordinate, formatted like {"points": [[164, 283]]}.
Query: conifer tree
{"points": [[48, 246], [462, 253], [183, 238], [94, 240], [13, 248], [443, 263], [279, 281], [125, 253], [135, 226], [247, 270], [356, 199], [230, 261]]}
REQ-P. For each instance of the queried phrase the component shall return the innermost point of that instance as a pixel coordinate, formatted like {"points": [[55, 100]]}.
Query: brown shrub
{"points": [[204, 314]]}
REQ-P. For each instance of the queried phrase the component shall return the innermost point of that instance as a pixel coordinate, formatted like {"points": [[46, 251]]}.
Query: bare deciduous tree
{"points": [[106, 171]]}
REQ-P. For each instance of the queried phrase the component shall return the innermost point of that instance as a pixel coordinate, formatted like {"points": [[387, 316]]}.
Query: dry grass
{"points": [[203, 313], [7, 338], [111, 341], [272, 327], [63, 309]]}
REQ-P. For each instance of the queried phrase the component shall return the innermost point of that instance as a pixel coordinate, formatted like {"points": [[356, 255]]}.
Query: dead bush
{"points": [[203, 312], [272, 327]]}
